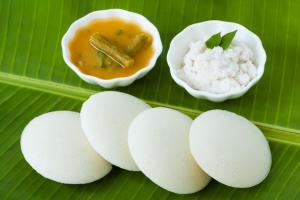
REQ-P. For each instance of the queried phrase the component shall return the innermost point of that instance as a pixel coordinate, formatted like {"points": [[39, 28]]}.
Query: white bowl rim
{"points": [[215, 96], [114, 82]]}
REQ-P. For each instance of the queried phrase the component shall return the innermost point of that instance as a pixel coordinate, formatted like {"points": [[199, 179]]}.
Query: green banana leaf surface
{"points": [[34, 79]]}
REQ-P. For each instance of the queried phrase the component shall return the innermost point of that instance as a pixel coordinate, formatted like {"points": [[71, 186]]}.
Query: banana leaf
{"points": [[34, 79]]}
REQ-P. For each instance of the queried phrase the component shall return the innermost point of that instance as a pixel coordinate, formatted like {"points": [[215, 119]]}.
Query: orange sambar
{"points": [[119, 32]]}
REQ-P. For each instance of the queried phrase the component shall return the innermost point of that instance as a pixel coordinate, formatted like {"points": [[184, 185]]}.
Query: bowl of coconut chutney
{"points": [[216, 60]]}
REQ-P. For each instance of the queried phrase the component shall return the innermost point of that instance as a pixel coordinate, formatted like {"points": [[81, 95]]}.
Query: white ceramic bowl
{"points": [[103, 14], [180, 45]]}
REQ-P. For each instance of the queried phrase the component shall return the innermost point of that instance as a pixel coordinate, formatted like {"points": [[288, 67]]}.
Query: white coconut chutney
{"points": [[230, 148], [54, 145], [216, 70], [158, 142], [105, 119]]}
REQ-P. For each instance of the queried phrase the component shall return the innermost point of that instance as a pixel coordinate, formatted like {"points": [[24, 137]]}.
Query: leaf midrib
{"points": [[272, 132]]}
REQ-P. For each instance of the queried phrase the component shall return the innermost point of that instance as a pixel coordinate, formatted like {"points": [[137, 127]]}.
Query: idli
{"points": [[54, 145], [230, 148], [158, 141], [105, 119]]}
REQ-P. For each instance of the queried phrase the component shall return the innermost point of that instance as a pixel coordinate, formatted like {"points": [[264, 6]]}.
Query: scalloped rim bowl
{"points": [[104, 14], [180, 45]]}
